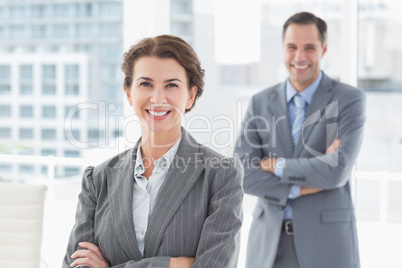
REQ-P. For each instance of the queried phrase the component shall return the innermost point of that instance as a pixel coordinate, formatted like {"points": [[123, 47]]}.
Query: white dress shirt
{"points": [[146, 191]]}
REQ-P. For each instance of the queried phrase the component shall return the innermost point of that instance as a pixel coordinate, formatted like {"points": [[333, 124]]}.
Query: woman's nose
{"points": [[158, 95]]}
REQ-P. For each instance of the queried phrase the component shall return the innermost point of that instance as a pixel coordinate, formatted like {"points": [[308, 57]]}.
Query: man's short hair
{"points": [[306, 18]]}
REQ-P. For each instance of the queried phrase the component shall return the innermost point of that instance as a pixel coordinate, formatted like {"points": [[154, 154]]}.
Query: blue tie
{"points": [[297, 124], [300, 115]]}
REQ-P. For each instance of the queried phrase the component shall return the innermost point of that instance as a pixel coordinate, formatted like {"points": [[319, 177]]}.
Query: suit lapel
{"points": [[281, 124], [315, 111], [120, 193], [183, 173]]}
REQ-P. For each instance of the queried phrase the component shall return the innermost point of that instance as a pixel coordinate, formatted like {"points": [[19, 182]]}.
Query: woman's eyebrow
{"points": [[145, 78], [172, 80]]}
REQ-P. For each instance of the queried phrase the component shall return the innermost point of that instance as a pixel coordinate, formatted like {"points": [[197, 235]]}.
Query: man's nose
{"points": [[300, 55]]}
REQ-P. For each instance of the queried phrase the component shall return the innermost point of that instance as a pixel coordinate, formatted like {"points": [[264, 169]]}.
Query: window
{"points": [[47, 152], [93, 134], [26, 169], [181, 7], [72, 153], [48, 72], [60, 10], [111, 72], [88, 9], [5, 89], [85, 30], [48, 134], [26, 89], [38, 11], [48, 112], [39, 31], [71, 171], [111, 9], [26, 111], [111, 29], [5, 72], [182, 28], [5, 132], [5, 168], [17, 12], [48, 89], [5, 111], [26, 72], [17, 32], [72, 111], [117, 133], [111, 51], [60, 31], [72, 90], [26, 133], [72, 71], [44, 170], [76, 133]]}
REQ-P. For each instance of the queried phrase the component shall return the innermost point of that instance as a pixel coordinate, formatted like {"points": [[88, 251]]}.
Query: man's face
{"points": [[303, 52]]}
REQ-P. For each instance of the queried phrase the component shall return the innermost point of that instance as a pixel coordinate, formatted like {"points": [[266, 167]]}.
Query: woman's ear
{"points": [[128, 94], [191, 99]]}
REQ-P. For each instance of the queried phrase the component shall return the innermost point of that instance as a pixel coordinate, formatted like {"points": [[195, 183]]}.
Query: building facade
{"points": [[59, 65]]}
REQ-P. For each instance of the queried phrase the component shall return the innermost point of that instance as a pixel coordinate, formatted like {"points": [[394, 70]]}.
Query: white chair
{"points": [[21, 224]]}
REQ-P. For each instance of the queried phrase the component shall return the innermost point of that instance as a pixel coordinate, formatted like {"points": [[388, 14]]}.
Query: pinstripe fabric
{"points": [[197, 212]]}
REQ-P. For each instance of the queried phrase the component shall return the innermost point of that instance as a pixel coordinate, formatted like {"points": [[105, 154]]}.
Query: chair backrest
{"points": [[21, 224]]}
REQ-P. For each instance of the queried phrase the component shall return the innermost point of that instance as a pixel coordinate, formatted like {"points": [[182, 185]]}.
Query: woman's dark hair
{"points": [[166, 47]]}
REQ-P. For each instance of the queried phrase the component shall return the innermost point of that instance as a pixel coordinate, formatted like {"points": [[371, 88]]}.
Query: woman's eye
{"points": [[171, 85], [145, 84]]}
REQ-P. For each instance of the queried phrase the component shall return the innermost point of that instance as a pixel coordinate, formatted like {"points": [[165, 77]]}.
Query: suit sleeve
{"points": [[256, 181], [332, 171], [83, 230], [220, 236]]}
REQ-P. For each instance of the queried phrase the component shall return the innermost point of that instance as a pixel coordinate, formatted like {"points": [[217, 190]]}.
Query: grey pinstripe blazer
{"points": [[198, 212]]}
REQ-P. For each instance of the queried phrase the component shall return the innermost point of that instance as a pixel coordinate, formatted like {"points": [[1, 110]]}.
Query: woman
{"points": [[169, 201]]}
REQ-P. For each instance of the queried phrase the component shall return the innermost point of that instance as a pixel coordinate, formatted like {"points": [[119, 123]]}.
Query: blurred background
{"points": [[62, 105]]}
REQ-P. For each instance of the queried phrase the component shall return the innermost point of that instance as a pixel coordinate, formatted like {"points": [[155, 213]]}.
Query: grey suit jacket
{"points": [[198, 212], [324, 223]]}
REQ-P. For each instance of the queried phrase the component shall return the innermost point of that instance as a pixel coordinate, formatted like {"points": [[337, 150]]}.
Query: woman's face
{"points": [[159, 94]]}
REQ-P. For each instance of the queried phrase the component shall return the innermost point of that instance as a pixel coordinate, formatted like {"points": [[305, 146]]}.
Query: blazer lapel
{"points": [[120, 193], [281, 124], [316, 110], [182, 175]]}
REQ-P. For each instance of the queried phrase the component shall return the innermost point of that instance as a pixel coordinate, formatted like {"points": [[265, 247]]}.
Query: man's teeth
{"points": [[158, 114], [301, 66]]}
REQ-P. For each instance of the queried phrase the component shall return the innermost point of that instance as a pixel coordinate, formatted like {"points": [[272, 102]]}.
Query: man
{"points": [[298, 144]]}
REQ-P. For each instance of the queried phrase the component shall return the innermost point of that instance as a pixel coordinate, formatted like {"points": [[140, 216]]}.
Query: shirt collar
{"points": [[307, 93], [165, 160]]}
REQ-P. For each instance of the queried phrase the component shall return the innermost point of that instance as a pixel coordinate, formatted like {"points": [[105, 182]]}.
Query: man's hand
{"points": [[90, 256], [332, 148], [307, 190], [268, 165], [181, 262]]}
